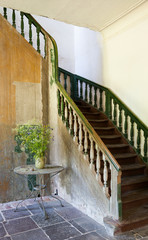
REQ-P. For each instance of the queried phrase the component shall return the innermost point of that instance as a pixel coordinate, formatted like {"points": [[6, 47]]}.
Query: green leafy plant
{"points": [[33, 138]]}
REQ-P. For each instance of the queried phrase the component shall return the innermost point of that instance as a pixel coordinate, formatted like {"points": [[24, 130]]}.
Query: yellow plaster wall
{"points": [[20, 66], [126, 60]]}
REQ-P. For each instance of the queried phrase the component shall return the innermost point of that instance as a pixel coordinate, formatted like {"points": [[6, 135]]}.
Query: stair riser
{"points": [[85, 109], [98, 124], [126, 161], [133, 186], [134, 203], [105, 131], [134, 225], [119, 150], [133, 172], [112, 141], [92, 116]]}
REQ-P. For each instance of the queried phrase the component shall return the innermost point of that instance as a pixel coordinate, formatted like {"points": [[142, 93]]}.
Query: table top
{"points": [[32, 170]]}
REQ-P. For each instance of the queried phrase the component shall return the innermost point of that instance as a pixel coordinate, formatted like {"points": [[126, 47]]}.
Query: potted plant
{"points": [[34, 138]]}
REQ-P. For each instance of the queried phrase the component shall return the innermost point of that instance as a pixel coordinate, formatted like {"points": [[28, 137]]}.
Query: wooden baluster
{"points": [[13, 18], [30, 32], [120, 119], [65, 81], [125, 126], [115, 113], [5, 12], [105, 177], [76, 88], [92, 154], [86, 144], [38, 39], [80, 136], [95, 97], [71, 122], [132, 133], [145, 148], [22, 24], [90, 94], [75, 129], [59, 102], [81, 89], [62, 108], [139, 140], [86, 100], [66, 114], [101, 91], [111, 108], [44, 45], [98, 165]]}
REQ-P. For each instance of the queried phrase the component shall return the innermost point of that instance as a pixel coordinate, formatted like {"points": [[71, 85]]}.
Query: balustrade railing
{"points": [[134, 130], [101, 161], [26, 25]]}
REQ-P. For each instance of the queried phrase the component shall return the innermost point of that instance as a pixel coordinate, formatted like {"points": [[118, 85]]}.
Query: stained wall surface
{"points": [[20, 101]]}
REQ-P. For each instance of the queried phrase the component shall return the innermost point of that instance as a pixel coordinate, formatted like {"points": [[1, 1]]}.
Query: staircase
{"points": [[109, 136]]}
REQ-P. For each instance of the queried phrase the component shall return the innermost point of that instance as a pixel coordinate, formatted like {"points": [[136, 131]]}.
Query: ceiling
{"points": [[93, 14]]}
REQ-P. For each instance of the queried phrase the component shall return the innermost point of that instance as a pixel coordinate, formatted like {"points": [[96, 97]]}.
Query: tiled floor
{"points": [[63, 223]]}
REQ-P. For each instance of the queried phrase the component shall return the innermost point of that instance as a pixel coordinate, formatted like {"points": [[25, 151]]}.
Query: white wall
{"points": [[79, 48], [126, 60]]}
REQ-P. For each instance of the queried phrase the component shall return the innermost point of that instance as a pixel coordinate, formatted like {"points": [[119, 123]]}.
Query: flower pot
{"points": [[40, 162]]}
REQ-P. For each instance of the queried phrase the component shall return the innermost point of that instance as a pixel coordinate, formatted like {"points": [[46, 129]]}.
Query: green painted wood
{"points": [[86, 92], [120, 119], [5, 12], [90, 94], [145, 148], [126, 126], [22, 24], [13, 19], [30, 32], [38, 38], [119, 201], [65, 81], [81, 89], [139, 141], [72, 87], [132, 132], [62, 108], [59, 102], [101, 91], [59, 76], [115, 112], [95, 97]]}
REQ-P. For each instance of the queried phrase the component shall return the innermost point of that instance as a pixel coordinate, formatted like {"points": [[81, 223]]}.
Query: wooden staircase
{"points": [[134, 183]]}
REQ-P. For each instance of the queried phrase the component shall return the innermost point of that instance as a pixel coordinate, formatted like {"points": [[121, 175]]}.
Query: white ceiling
{"points": [[94, 14]]}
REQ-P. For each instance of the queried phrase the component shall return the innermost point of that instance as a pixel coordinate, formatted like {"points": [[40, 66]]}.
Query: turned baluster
{"points": [[22, 24], [132, 133], [90, 94], [95, 97], [145, 148], [125, 126], [65, 81], [139, 140], [98, 165], [86, 92], [75, 129], [81, 89], [120, 119], [13, 18], [30, 32], [5, 13], [66, 114], [38, 39], [80, 136], [86, 144], [115, 112], [71, 122], [105, 177], [101, 91], [62, 108], [59, 102], [92, 154]]}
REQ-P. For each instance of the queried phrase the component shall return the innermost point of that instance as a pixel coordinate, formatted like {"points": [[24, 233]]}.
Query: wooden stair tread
{"points": [[136, 214], [134, 179], [132, 195], [110, 136], [97, 120], [124, 155], [132, 166], [92, 113], [104, 128], [117, 145]]}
